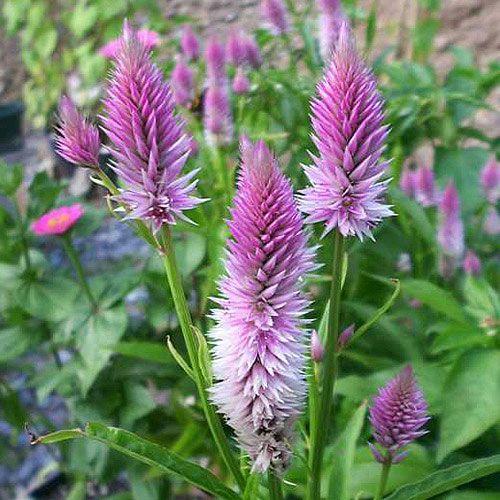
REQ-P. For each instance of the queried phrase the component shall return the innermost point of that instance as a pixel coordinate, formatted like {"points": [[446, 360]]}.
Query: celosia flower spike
{"points": [[259, 345], [189, 43], [317, 349], [347, 189], [215, 60], [150, 39], [330, 20], [58, 221], [451, 230], [148, 141], [490, 180], [408, 182], [182, 82], [253, 55], [276, 15], [425, 187], [217, 118], [236, 48], [77, 139], [472, 264], [398, 414], [241, 83]]}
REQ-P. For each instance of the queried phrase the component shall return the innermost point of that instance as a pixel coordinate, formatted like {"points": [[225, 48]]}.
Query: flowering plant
{"points": [[270, 242]]}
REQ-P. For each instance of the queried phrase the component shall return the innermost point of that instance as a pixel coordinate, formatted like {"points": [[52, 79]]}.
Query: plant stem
{"points": [[75, 260], [329, 372], [186, 323], [275, 487], [383, 480]]}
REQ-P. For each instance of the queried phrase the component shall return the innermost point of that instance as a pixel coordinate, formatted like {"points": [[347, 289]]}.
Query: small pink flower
{"points": [[189, 43], [57, 221], [490, 180], [472, 264], [149, 39], [241, 83], [317, 349]]}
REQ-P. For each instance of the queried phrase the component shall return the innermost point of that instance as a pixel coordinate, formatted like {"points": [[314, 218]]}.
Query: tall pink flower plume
{"points": [[182, 83], [426, 192], [217, 118], [258, 342], [451, 231], [236, 48], [58, 221], [330, 21], [241, 83], [77, 139], [491, 223], [398, 414], [254, 57], [150, 39], [190, 46], [471, 263], [490, 180], [148, 141], [347, 188], [215, 60], [408, 182], [275, 14]]}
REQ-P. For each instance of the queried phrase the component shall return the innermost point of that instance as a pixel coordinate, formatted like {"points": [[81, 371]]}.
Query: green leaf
{"points": [[97, 338], [180, 360], [436, 298], [11, 177], [451, 336], [343, 452], [138, 403], [471, 400], [190, 250], [447, 479], [13, 342], [58, 436], [152, 454], [51, 299], [252, 488], [148, 351]]}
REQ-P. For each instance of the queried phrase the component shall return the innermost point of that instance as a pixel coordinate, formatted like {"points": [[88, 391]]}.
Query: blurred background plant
{"points": [[63, 362]]}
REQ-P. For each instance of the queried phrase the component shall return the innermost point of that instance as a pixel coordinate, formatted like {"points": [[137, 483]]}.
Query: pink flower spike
{"points": [[258, 339], [330, 20], [491, 224], [253, 55], [148, 141], [215, 60], [490, 180], [275, 14], [150, 39], [77, 139], [182, 83], [217, 118], [241, 83], [189, 43], [425, 187], [450, 231], [345, 336], [346, 178], [472, 264], [58, 221], [317, 349], [408, 182], [236, 48]]}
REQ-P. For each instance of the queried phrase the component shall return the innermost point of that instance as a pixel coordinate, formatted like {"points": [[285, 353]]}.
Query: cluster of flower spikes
{"points": [[148, 142], [258, 341], [346, 186]]}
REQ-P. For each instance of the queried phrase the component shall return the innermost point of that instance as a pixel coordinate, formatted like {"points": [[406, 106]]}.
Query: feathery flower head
{"points": [[217, 118], [451, 231], [253, 55], [490, 180], [408, 182], [330, 21], [58, 221], [347, 115], [258, 341], [150, 39], [276, 15], [190, 46], [215, 59], [317, 349], [182, 83], [471, 264], [491, 224], [425, 187], [241, 83], [398, 413], [148, 141], [236, 48], [77, 139]]}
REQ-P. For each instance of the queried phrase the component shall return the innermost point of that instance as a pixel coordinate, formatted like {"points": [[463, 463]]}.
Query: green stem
{"points": [[186, 323], [386, 467], [329, 373], [75, 260], [275, 487]]}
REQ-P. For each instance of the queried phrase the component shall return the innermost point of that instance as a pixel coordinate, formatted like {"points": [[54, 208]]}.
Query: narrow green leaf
{"points": [[252, 488], [436, 298], [447, 479], [203, 356], [148, 351], [471, 400], [180, 360], [56, 437], [157, 456], [342, 461], [380, 312]]}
